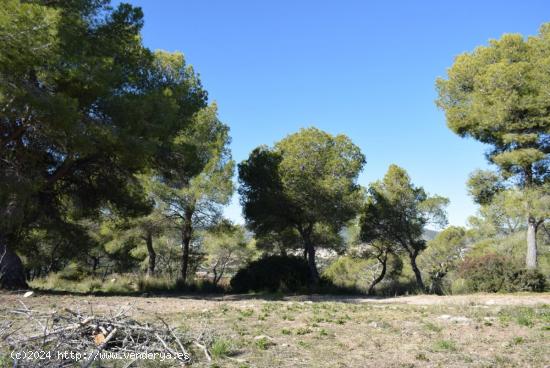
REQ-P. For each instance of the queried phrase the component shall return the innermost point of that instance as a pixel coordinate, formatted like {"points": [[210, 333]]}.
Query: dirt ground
{"points": [[481, 330]]}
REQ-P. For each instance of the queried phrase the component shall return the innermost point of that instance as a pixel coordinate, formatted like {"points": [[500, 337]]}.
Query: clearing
{"points": [[480, 330]]}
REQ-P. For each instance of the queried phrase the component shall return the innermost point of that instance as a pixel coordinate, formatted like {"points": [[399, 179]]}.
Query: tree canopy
{"points": [[306, 182], [498, 94], [84, 107], [397, 212]]}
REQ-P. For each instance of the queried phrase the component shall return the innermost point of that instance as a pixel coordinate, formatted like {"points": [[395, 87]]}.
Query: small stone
{"points": [[28, 294]]}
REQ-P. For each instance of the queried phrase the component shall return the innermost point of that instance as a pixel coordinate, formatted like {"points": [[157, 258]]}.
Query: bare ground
{"points": [[480, 330]]}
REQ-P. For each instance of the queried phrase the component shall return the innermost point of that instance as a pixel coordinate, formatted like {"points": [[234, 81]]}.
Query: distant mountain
{"points": [[429, 234]]}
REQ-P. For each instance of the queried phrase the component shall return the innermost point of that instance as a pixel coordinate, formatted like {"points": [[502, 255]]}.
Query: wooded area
{"points": [[115, 170]]}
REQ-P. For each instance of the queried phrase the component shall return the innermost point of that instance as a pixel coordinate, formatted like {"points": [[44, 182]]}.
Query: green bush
{"points": [[272, 274], [527, 280], [459, 286], [72, 272], [496, 273], [199, 286], [355, 275], [349, 272]]}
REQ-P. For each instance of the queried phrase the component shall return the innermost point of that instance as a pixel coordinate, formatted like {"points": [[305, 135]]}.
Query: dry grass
{"points": [[419, 331]]}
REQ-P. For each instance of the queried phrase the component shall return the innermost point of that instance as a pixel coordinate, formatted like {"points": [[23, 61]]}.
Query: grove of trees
{"points": [[115, 165]]}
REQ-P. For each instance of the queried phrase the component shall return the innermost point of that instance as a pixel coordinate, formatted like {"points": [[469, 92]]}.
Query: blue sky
{"points": [[362, 68]]}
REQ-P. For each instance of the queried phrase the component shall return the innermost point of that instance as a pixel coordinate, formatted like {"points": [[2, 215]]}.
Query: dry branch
{"points": [[88, 335]]}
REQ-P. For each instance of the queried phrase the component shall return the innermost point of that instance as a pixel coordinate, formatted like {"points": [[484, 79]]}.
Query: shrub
{"points": [[354, 275], [487, 273], [272, 274], [72, 272], [220, 348], [527, 280], [459, 286], [495, 273], [349, 272]]}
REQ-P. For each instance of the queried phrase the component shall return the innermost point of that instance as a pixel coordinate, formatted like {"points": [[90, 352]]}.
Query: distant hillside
{"points": [[429, 234]]}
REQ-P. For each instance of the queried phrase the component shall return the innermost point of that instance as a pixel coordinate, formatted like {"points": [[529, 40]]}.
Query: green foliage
{"points": [[497, 94], [272, 273], [193, 192], [527, 280], [263, 343], [445, 345], [220, 348], [73, 272], [357, 274], [442, 256], [495, 273], [484, 185], [306, 182], [396, 213], [122, 285], [227, 249], [279, 242], [488, 273], [350, 272], [85, 107]]}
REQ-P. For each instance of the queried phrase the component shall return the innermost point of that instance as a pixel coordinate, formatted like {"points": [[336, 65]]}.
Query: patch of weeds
{"points": [[432, 327], [220, 348], [263, 343], [517, 340], [501, 361], [445, 345], [523, 316], [524, 320], [5, 362], [303, 331], [269, 307], [246, 312], [323, 332], [286, 331], [304, 344], [287, 317], [422, 357], [224, 309], [239, 329]]}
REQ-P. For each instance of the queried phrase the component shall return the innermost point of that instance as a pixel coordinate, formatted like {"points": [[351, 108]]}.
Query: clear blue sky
{"points": [[362, 68]]}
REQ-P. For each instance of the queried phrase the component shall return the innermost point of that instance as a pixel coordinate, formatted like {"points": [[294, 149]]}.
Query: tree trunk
{"points": [[417, 273], [313, 273], [309, 254], [95, 264], [151, 253], [186, 234], [531, 258], [384, 261], [436, 285], [12, 272]]}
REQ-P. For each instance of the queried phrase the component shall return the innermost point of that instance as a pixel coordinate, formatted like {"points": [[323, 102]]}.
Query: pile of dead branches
{"points": [[67, 338]]}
